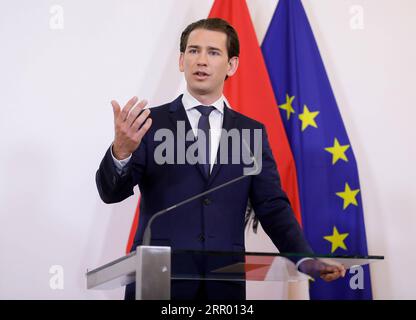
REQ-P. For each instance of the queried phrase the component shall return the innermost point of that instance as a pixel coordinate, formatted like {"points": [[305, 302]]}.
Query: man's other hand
{"points": [[316, 268]]}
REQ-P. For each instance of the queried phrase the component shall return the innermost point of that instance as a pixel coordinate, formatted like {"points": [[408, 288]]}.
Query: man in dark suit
{"points": [[144, 154]]}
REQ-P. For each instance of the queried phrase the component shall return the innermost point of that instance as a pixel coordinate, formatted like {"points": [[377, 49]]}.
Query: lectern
{"points": [[152, 268]]}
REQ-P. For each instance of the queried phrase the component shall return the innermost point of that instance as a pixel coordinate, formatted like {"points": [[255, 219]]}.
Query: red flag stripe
{"points": [[133, 227]]}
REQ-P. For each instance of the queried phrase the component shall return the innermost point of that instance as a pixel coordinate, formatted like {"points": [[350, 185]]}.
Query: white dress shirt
{"points": [[216, 118]]}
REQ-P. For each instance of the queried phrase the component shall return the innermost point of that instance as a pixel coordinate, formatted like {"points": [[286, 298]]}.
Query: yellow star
{"points": [[338, 151], [349, 196], [337, 240], [288, 106], [308, 118]]}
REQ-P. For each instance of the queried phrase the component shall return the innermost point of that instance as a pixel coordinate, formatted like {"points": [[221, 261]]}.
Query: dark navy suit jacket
{"points": [[216, 221]]}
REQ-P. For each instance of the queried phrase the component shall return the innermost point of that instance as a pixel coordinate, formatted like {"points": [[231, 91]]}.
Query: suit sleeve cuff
{"points": [[300, 262], [119, 164]]}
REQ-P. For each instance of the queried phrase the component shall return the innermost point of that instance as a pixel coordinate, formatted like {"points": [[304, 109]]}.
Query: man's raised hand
{"points": [[129, 127]]}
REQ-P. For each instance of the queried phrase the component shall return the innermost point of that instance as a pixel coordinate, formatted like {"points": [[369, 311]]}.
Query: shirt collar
{"points": [[190, 102]]}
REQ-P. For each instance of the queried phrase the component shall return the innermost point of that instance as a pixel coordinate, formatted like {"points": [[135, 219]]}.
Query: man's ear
{"points": [[181, 69], [232, 66]]}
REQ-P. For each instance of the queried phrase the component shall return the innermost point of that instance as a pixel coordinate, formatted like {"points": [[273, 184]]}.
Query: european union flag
{"points": [[330, 193]]}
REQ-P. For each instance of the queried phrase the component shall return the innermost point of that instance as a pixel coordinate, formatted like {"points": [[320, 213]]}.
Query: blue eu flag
{"points": [[329, 187]]}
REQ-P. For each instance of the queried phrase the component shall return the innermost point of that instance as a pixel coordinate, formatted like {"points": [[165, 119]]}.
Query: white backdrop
{"points": [[57, 77]]}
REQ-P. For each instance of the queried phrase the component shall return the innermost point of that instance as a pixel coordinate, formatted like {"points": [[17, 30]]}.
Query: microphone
{"points": [[148, 233]]}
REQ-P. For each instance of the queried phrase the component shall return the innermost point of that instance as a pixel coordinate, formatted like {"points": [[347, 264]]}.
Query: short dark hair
{"points": [[214, 24]]}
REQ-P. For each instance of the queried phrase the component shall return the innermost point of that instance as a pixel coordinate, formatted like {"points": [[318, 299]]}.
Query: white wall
{"points": [[56, 123]]}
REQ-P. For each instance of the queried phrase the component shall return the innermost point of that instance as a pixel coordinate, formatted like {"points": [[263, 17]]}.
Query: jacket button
{"points": [[206, 202], [201, 237]]}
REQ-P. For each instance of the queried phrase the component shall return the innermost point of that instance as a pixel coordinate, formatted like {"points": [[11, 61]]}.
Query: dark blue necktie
{"points": [[203, 125]]}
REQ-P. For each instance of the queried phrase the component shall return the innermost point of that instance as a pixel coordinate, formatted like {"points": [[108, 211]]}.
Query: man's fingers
{"points": [[331, 276], [127, 108], [116, 108], [330, 273], [135, 111], [142, 131], [328, 269], [341, 270], [140, 120]]}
